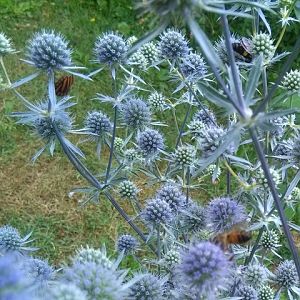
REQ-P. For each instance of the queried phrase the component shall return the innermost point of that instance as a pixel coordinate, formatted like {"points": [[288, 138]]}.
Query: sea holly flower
{"points": [[157, 101], [204, 267], [246, 292], [255, 275], [263, 45], [127, 244], [184, 156], [265, 293], [150, 52], [127, 189], [223, 213], [12, 242], [206, 116], [5, 45], [171, 258], [63, 291], [270, 240], [138, 60], [193, 67], [291, 81]]}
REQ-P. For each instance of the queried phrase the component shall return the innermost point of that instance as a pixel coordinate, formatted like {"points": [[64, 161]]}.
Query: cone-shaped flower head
{"points": [[62, 291], [98, 123], [127, 244], [150, 142], [291, 81], [5, 45], [193, 66], [286, 274], [127, 189]]}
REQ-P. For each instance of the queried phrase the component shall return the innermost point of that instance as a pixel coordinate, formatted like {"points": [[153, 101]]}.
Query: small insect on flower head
{"points": [[48, 50]]}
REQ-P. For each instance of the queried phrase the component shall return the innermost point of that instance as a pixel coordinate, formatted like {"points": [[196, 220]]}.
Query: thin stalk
{"points": [[255, 246], [265, 93], [112, 145], [243, 184], [4, 70], [277, 201], [234, 69], [188, 179], [228, 174], [158, 247], [175, 119]]}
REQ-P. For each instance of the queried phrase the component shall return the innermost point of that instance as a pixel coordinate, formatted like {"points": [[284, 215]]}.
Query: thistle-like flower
{"points": [[223, 213], [204, 268], [150, 52], [110, 48], [136, 114], [207, 117], [263, 45], [5, 45], [150, 142], [97, 281], [48, 50], [130, 155], [255, 275], [157, 101], [262, 180], [184, 156], [138, 60], [246, 292], [173, 195], [172, 258], [127, 189], [291, 81], [283, 148], [270, 240], [286, 274], [149, 287], [193, 217], [91, 255], [193, 66], [131, 40], [173, 45], [11, 240], [265, 293], [157, 211], [98, 123], [196, 127], [62, 291], [119, 143], [127, 244], [39, 271]]}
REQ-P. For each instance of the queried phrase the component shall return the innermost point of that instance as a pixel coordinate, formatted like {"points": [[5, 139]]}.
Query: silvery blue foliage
{"points": [[5, 45], [62, 291], [149, 287], [204, 268], [127, 244], [136, 114], [157, 211], [150, 142], [110, 48], [11, 240], [223, 213], [206, 116], [13, 281], [48, 50], [173, 45], [286, 274], [97, 281], [193, 66], [246, 292], [98, 123], [173, 195]]}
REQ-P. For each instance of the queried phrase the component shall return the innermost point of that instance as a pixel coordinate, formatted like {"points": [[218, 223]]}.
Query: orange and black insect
{"points": [[242, 48], [235, 236], [63, 85]]}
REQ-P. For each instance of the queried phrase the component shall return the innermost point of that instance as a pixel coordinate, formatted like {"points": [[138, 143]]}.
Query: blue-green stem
{"points": [[278, 204], [188, 178], [158, 247], [4, 70]]}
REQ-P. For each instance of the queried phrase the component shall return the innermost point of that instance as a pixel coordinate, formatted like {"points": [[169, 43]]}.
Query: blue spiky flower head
{"points": [[255, 275], [127, 189], [270, 240], [5, 45], [150, 142], [206, 116], [136, 113], [110, 48], [138, 60], [157, 211], [63, 291], [11, 240], [193, 217], [246, 292], [48, 50], [13, 282], [149, 287], [286, 274], [193, 66], [173, 44], [127, 244], [39, 271], [173, 195], [150, 52], [265, 293], [97, 281], [223, 213], [204, 267], [291, 81], [157, 101], [184, 156], [98, 123]]}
